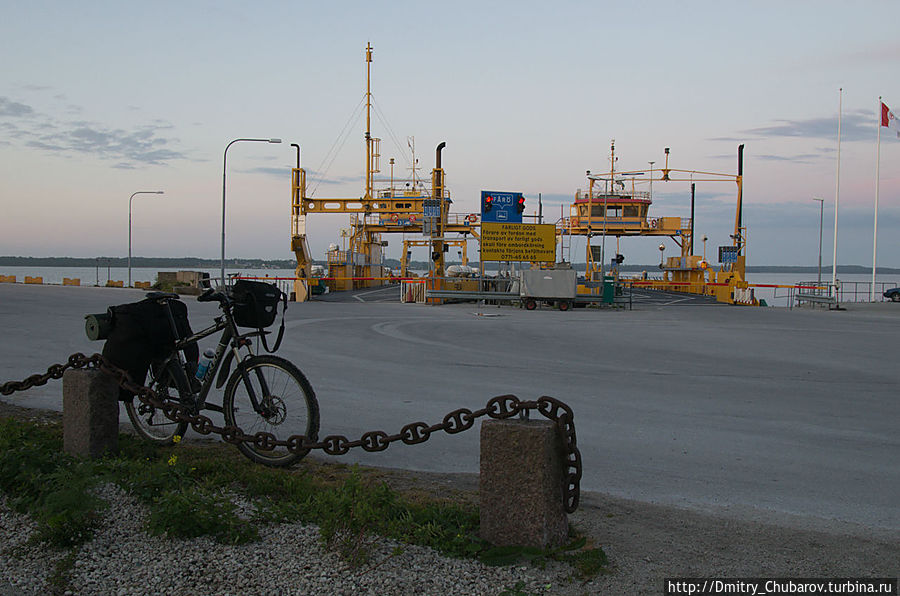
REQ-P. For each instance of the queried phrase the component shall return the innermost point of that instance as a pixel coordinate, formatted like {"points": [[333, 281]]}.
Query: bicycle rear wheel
{"points": [[151, 423], [287, 406]]}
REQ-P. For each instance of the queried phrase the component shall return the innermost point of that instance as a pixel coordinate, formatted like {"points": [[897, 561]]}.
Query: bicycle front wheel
{"points": [[151, 423], [286, 405]]}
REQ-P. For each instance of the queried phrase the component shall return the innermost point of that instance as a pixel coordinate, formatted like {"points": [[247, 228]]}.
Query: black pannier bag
{"points": [[141, 333], [256, 305]]}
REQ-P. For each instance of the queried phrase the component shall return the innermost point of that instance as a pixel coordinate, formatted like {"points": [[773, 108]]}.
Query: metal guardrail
{"points": [[860, 291], [847, 292]]}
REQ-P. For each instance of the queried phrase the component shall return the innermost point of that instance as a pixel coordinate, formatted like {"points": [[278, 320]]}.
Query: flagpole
{"points": [[877, 184], [837, 195]]}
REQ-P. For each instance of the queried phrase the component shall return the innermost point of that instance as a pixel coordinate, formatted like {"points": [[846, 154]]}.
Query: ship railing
{"points": [[611, 195]]}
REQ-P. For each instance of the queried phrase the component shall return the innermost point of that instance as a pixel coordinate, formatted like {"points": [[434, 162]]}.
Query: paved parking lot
{"points": [[759, 411]]}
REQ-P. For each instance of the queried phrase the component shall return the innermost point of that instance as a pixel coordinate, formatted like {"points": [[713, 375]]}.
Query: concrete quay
{"points": [[760, 413]]}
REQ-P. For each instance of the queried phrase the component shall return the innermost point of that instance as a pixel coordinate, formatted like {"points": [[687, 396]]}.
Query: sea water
{"points": [[855, 287]]}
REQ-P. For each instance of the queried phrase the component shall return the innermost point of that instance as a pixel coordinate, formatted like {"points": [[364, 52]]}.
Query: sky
{"points": [[99, 100]]}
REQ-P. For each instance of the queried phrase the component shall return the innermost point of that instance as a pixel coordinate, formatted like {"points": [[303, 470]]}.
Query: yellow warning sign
{"points": [[518, 242]]}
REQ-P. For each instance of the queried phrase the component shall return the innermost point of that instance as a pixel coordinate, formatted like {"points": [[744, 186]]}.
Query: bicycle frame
{"points": [[231, 339]]}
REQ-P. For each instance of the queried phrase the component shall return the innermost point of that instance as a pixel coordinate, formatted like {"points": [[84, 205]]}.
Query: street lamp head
{"points": [[160, 192], [274, 140]]}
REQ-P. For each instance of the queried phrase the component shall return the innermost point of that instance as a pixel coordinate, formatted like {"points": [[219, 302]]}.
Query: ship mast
{"points": [[368, 120]]}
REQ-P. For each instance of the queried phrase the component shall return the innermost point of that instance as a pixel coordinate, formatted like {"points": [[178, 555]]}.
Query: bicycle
{"points": [[259, 395]]}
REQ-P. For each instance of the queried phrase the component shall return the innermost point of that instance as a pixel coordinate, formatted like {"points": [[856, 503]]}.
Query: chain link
{"points": [[457, 421], [55, 371]]}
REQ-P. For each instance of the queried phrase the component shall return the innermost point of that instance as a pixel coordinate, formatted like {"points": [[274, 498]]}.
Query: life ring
{"points": [[654, 223], [473, 218], [395, 218], [412, 217]]}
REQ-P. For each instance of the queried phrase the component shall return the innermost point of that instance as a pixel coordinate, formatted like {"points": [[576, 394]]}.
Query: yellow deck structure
{"points": [[610, 208]]}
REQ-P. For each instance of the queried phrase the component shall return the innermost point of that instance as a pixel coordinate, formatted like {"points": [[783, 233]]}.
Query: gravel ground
{"points": [[645, 543], [289, 559]]}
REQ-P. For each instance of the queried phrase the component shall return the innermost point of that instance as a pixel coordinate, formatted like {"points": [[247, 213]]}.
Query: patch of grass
{"points": [[190, 490], [67, 511], [194, 511], [184, 494], [40, 480], [587, 561], [58, 582], [516, 590]]}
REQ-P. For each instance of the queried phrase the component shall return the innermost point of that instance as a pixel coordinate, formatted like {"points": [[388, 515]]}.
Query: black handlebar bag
{"points": [[256, 305], [141, 333]]}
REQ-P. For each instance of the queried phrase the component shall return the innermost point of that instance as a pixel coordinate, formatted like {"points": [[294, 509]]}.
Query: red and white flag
{"points": [[889, 120]]}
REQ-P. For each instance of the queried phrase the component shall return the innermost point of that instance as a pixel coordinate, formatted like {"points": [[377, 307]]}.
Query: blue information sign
{"points": [[500, 206]]}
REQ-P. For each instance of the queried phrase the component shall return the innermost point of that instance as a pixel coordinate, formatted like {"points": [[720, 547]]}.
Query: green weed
{"points": [[194, 511], [588, 561], [58, 582]]}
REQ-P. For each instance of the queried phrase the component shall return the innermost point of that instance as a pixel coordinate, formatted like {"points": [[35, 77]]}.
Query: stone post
{"points": [[521, 483], [90, 413]]}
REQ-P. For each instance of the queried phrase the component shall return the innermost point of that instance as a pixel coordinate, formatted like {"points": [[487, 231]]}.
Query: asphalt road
{"points": [[755, 411]]}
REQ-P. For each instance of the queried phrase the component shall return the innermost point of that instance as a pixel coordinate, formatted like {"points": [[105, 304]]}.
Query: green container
{"points": [[609, 289]]}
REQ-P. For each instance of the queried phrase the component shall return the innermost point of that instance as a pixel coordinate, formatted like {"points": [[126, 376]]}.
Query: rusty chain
{"points": [[54, 372], [457, 421]]}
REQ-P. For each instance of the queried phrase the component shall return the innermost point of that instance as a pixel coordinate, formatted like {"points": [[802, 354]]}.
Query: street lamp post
{"points": [[140, 192], [821, 215], [224, 168]]}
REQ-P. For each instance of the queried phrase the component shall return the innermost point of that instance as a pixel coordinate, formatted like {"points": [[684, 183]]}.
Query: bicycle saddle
{"points": [[162, 296]]}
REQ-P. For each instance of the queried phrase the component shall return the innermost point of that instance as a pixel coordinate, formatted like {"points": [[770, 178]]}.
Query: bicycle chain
{"points": [[457, 421]]}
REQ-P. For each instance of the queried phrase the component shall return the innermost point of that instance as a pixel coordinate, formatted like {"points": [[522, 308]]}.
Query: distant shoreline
{"points": [[200, 263]]}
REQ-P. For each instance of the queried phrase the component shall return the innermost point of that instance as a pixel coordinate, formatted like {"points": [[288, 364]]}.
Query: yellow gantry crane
{"points": [[379, 211]]}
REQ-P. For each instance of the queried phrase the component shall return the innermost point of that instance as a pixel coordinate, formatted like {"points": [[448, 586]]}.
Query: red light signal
{"points": [[520, 205], [488, 203]]}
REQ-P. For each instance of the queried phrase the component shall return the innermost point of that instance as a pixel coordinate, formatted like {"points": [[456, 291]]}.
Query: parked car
{"points": [[893, 294]]}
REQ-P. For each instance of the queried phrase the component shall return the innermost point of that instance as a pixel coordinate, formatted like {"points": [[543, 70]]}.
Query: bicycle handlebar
{"points": [[211, 295]]}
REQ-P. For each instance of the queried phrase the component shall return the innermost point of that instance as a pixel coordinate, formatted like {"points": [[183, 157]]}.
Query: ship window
{"points": [[631, 211], [614, 211], [596, 210]]}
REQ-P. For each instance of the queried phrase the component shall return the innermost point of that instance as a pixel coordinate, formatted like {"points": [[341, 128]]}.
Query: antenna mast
{"points": [[368, 120]]}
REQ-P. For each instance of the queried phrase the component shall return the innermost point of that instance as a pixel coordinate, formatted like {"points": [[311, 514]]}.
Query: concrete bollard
{"points": [[521, 483], [90, 413]]}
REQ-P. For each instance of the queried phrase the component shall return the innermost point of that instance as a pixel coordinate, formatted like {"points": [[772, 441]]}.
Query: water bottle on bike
{"points": [[205, 361]]}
